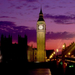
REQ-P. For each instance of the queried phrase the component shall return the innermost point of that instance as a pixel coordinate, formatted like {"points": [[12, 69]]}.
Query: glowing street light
{"points": [[57, 50], [65, 55], [51, 56], [63, 46], [69, 53], [53, 52]]}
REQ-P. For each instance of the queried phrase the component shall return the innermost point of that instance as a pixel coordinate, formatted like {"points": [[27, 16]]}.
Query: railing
{"points": [[68, 59]]}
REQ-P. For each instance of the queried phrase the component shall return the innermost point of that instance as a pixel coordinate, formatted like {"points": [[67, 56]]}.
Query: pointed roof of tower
{"points": [[41, 11], [41, 16]]}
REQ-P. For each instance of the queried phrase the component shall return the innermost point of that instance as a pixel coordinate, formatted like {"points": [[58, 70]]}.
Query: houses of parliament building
{"points": [[21, 52], [39, 54]]}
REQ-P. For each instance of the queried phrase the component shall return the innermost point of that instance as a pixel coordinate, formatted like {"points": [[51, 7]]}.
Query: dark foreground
{"points": [[24, 68]]}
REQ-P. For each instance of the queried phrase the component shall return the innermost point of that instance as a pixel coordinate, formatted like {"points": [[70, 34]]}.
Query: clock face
{"points": [[40, 27]]}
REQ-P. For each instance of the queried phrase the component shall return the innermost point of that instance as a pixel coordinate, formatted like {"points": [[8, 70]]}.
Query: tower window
{"points": [[35, 58], [35, 53]]}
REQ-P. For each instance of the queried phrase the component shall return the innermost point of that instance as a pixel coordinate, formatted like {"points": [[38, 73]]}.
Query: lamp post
{"points": [[57, 51], [54, 56], [69, 54], [57, 57], [63, 48]]}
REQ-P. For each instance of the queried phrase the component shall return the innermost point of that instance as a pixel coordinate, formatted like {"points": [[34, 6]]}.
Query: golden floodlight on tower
{"points": [[41, 32]]}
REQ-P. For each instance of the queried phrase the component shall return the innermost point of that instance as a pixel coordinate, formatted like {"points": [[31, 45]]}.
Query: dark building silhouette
{"points": [[22, 45], [6, 49], [48, 53], [14, 52]]}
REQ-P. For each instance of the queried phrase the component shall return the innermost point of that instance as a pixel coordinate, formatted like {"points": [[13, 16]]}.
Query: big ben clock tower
{"points": [[41, 30]]}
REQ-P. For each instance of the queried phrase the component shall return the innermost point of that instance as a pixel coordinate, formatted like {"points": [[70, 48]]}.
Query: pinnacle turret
{"points": [[41, 11], [41, 16]]}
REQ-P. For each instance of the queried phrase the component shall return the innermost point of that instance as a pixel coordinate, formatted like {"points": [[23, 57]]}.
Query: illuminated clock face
{"points": [[40, 27]]}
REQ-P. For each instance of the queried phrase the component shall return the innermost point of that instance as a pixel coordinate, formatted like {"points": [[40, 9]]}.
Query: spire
{"points": [[41, 16], [41, 11]]}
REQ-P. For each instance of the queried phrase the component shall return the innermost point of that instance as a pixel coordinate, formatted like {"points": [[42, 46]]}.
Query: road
{"points": [[39, 71]]}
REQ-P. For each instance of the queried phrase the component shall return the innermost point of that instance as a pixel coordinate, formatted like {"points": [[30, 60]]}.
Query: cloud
{"points": [[28, 0], [6, 23], [4, 16], [19, 7], [11, 4], [61, 19], [35, 8], [21, 14], [7, 27], [46, 6], [63, 22], [31, 0], [59, 35], [8, 17], [61, 6]]}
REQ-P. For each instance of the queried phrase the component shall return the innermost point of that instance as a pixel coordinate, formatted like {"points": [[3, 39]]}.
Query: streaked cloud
{"points": [[60, 35], [61, 19], [7, 17], [35, 8], [7, 27], [31, 0], [19, 7], [46, 6], [28, 0]]}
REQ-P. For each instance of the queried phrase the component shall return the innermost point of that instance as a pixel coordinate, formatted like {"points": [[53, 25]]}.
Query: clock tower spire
{"points": [[41, 11], [41, 16]]}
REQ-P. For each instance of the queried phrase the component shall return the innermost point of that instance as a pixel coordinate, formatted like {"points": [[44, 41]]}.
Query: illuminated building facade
{"points": [[69, 50], [41, 30]]}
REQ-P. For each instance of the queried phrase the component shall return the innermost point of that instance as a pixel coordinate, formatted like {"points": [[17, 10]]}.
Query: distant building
{"points": [[69, 50], [35, 54], [0, 56], [48, 53], [30, 54], [6, 47]]}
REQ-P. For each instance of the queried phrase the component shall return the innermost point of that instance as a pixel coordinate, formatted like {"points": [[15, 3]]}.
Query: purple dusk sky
{"points": [[20, 17]]}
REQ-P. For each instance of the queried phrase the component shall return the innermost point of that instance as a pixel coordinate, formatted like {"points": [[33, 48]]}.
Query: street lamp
{"points": [[53, 52], [57, 51], [63, 46], [57, 57], [69, 53], [54, 55]]}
